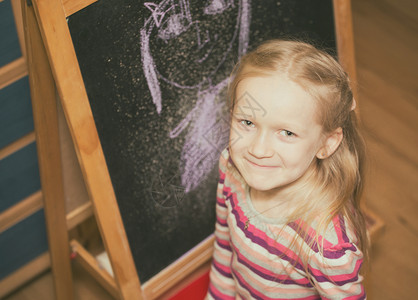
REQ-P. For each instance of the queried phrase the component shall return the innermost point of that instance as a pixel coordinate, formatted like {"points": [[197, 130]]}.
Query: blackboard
{"points": [[156, 74]]}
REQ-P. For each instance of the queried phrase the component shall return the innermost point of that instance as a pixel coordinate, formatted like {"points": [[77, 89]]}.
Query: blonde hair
{"points": [[336, 182]]}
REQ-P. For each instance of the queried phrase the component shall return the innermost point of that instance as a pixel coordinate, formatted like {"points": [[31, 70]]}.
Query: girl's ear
{"points": [[331, 144]]}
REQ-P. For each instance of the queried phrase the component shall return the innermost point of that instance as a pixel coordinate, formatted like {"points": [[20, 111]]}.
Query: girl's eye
{"points": [[247, 123], [287, 133]]}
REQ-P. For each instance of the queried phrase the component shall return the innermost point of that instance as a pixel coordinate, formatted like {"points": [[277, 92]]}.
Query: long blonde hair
{"points": [[336, 183]]}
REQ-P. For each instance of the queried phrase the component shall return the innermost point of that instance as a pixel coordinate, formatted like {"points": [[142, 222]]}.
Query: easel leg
{"points": [[47, 139]]}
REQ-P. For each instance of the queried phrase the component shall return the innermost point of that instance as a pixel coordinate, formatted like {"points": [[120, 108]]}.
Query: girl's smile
{"points": [[258, 165]]}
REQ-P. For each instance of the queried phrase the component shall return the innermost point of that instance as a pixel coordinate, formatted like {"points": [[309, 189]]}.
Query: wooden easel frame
{"points": [[54, 65], [58, 58], [46, 125]]}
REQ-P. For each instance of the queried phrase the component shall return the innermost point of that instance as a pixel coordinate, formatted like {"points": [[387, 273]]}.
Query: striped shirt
{"points": [[252, 259]]}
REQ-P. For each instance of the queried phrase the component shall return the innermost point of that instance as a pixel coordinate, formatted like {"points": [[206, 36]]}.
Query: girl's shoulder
{"points": [[338, 235], [335, 261], [226, 165], [225, 160], [232, 181], [223, 165]]}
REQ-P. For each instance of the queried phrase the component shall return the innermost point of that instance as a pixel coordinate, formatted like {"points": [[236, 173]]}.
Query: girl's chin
{"points": [[261, 186]]}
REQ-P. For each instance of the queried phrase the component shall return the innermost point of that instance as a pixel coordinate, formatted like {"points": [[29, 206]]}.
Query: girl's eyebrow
{"points": [[241, 115], [242, 110]]}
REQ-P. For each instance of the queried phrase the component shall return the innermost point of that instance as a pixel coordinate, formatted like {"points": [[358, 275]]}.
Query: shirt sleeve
{"points": [[335, 272], [221, 284]]}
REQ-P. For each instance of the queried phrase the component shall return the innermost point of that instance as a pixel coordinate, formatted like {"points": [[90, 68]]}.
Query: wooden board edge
{"points": [[43, 98], [20, 211], [185, 283], [13, 71], [79, 215], [24, 274], [73, 6], [179, 270], [89, 263], [345, 40], [17, 13], [32, 204], [57, 39], [76, 196], [17, 145]]}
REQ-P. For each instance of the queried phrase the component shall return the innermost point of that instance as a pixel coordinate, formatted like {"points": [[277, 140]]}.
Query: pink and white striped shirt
{"points": [[252, 259]]}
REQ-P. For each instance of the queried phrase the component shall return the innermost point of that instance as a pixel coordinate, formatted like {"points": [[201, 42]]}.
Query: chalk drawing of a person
{"points": [[200, 46]]}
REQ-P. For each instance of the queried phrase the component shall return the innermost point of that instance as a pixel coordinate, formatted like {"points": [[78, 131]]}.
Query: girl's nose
{"points": [[260, 146]]}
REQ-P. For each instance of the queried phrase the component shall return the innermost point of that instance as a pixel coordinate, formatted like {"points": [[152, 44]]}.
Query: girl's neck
{"points": [[271, 204], [275, 196]]}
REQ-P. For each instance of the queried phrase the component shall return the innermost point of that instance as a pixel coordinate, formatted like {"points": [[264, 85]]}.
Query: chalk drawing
{"points": [[166, 193], [205, 134]]}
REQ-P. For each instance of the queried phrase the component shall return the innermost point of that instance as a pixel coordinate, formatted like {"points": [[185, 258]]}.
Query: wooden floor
{"points": [[386, 38]]}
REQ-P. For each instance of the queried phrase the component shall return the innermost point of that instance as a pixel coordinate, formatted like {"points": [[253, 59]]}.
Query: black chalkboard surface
{"points": [[156, 75]]}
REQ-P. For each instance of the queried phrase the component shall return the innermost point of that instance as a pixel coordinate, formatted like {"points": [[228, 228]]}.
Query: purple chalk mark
{"points": [[218, 6], [199, 155], [157, 14], [149, 71], [202, 147]]}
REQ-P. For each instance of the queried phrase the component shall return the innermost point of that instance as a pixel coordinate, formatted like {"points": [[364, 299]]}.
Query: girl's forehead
{"points": [[274, 91], [275, 98]]}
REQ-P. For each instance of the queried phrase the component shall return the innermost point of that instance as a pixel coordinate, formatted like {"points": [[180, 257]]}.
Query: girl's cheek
{"points": [[234, 138], [237, 134], [236, 141]]}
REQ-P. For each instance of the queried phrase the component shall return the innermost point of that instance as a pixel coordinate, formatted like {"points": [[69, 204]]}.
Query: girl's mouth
{"points": [[261, 165]]}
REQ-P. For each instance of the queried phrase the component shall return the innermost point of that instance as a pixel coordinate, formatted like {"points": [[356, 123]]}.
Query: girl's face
{"points": [[274, 133]]}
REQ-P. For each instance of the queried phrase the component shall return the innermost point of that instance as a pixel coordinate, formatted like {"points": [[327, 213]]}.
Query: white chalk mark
{"points": [[244, 34], [157, 14], [149, 71], [217, 7], [205, 136], [174, 26], [201, 44]]}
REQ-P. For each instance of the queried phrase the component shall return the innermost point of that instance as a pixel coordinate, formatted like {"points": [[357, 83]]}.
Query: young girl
{"points": [[289, 224]]}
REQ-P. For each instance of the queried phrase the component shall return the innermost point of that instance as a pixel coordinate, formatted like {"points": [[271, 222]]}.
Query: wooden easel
{"points": [[53, 66], [48, 40], [46, 124]]}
